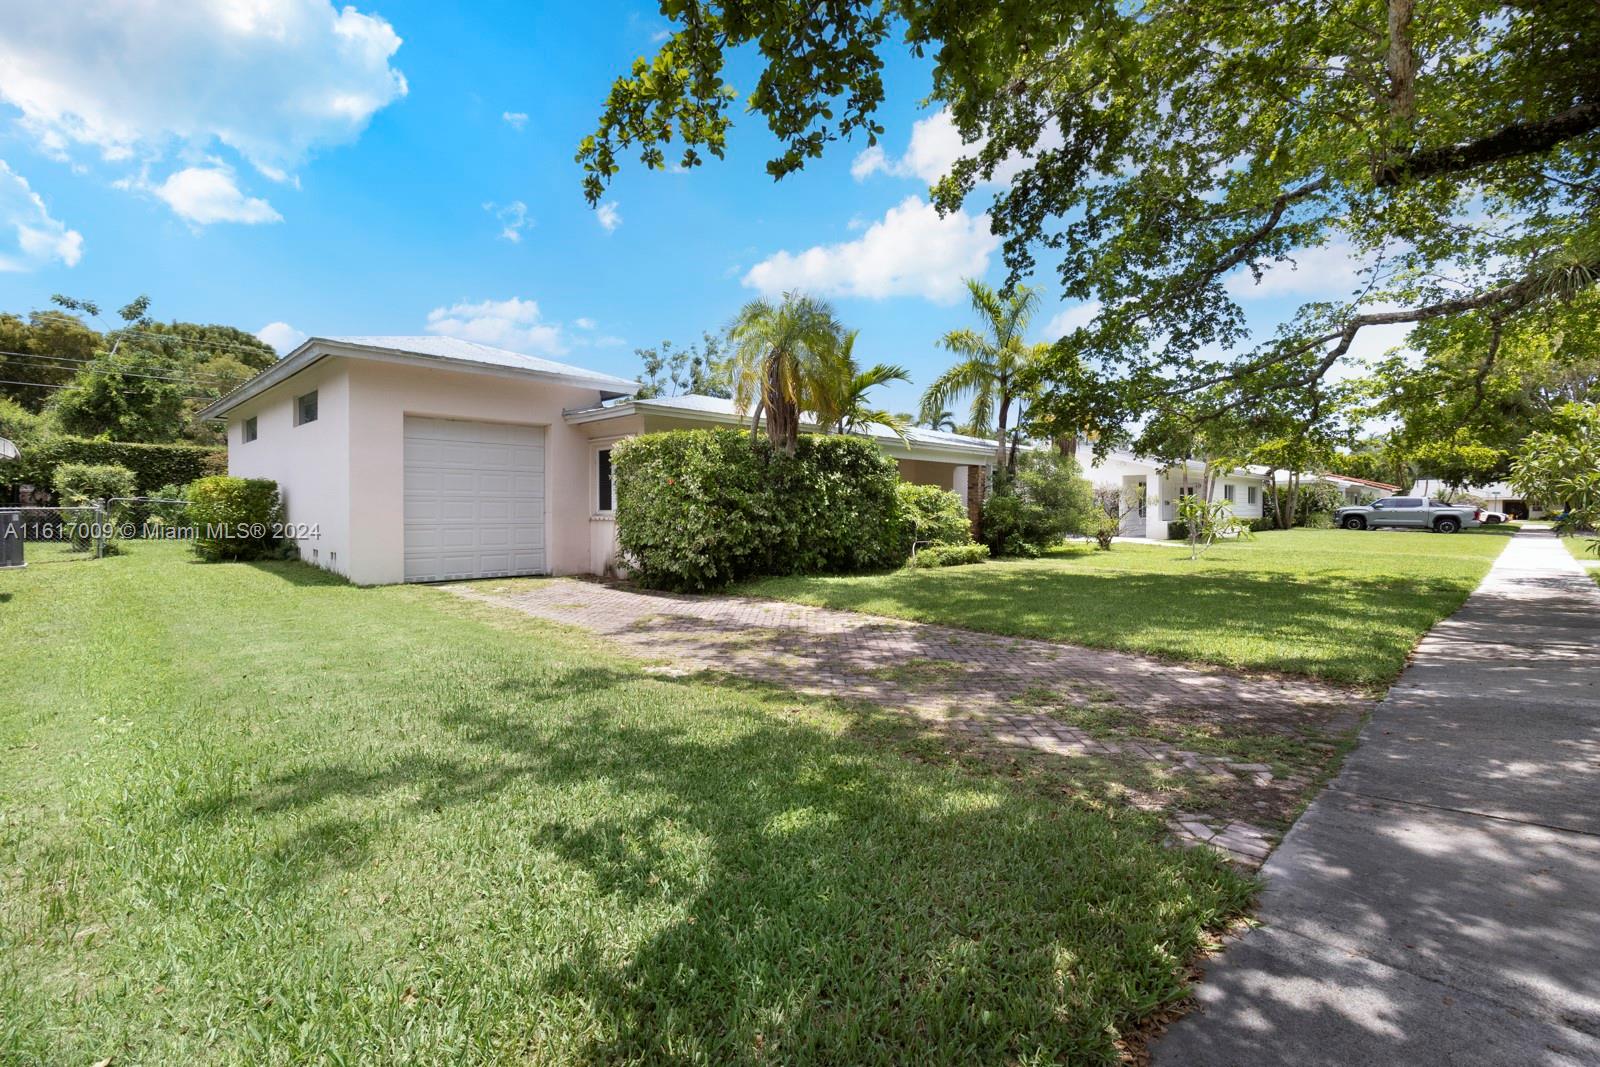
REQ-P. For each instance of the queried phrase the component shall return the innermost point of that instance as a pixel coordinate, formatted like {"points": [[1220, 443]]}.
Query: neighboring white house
{"points": [[1149, 491], [428, 458], [1496, 496]]}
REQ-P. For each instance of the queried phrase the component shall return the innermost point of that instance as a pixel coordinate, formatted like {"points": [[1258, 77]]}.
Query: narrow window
{"points": [[1227, 493], [1250, 494], [603, 482], [305, 408], [247, 430]]}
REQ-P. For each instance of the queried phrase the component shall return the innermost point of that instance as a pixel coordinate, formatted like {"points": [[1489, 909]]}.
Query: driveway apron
{"points": [[1439, 903]]}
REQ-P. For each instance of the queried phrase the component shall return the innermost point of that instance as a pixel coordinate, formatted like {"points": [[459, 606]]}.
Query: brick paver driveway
{"points": [[987, 689]]}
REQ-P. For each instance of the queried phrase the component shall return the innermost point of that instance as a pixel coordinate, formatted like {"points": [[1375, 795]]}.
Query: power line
{"points": [[91, 364], [193, 341], [47, 385]]}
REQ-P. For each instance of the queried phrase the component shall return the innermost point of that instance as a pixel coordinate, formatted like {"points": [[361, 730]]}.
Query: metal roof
{"points": [[721, 409], [451, 351]]}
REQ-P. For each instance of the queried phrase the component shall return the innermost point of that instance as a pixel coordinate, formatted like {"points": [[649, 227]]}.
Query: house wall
{"points": [[310, 462], [931, 472], [383, 394]]}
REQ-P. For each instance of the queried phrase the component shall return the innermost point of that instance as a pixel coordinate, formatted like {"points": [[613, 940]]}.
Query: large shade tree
{"points": [[993, 358], [1154, 152], [779, 352]]}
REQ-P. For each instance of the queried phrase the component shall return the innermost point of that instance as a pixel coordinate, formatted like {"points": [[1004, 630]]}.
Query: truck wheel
{"points": [[1447, 525], [1355, 522]]}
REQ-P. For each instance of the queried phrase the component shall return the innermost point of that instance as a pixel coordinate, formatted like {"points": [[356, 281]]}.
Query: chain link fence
{"points": [[43, 534]]}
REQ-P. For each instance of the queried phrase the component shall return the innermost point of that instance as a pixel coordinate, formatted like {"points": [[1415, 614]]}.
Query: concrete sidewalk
{"points": [[1440, 902]]}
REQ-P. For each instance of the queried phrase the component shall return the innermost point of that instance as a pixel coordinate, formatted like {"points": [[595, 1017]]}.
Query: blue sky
{"points": [[406, 167]]}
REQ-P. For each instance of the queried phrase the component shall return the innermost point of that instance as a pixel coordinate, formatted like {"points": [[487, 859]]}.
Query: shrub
{"points": [[235, 518], [1319, 520], [1265, 522], [949, 555], [1046, 500], [933, 515], [1104, 527], [84, 485], [697, 509]]}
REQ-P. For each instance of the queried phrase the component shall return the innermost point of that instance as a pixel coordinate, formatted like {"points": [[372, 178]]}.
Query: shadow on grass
{"points": [[821, 902]]}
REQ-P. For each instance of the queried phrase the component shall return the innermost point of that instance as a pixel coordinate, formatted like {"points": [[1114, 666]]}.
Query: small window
{"points": [[1186, 490], [305, 408], [603, 501], [1228, 493], [247, 430], [1250, 494]]}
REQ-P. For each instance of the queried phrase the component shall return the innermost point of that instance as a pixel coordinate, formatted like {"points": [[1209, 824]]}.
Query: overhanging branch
{"points": [[1519, 139]]}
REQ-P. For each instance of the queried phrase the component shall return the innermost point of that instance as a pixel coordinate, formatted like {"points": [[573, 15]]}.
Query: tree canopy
{"points": [[1155, 152]]}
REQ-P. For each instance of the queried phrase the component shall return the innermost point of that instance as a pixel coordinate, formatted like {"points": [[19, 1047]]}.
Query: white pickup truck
{"points": [[1411, 512]]}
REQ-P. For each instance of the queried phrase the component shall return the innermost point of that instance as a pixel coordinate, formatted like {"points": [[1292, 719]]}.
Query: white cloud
{"points": [[203, 195], [39, 239], [515, 119], [585, 323], [513, 219], [1066, 320], [281, 336], [934, 147], [911, 251], [271, 79], [514, 324], [608, 215], [1329, 272]]}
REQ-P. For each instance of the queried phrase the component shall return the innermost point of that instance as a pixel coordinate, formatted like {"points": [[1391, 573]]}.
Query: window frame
{"points": [[1230, 492], [1251, 495], [249, 430], [603, 469], [299, 408]]}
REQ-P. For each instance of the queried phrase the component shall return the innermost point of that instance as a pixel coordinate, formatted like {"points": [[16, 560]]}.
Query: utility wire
{"points": [[91, 364], [192, 340], [47, 385]]}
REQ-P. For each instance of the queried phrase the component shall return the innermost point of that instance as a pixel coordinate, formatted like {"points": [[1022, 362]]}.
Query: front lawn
{"points": [[1341, 605], [251, 814]]}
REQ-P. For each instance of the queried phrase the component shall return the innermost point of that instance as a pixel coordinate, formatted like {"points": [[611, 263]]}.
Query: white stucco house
{"points": [[1496, 496], [428, 458], [1149, 491]]}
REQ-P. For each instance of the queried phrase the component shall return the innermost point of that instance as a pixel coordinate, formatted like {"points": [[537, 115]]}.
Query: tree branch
{"points": [[1516, 140]]}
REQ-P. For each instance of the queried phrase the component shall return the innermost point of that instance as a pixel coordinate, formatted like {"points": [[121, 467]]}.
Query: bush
{"points": [[152, 465], [1312, 497], [933, 515], [697, 509], [235, 518], [1265, 522], [84, 485], [1319, 520], [1103, 528], [949, 555], [1045, 501]]}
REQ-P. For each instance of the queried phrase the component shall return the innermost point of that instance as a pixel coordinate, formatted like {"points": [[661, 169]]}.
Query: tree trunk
{"points": [[1000, 448], [1401, 62], [1293, 499]]}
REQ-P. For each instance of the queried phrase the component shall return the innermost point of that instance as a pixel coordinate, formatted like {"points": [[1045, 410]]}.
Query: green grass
{"points": [[1582, 549], [1339, 605], [253, 815]]}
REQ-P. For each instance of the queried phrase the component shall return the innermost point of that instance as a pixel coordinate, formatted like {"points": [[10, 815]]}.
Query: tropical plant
{"points": [[839, 392], [944, 419], [992, 358], [1562, 466], [1207, 520], [780, 351], [931, 516], [1044, 501]]}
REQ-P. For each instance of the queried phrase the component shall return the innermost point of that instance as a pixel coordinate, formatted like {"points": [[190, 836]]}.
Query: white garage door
{"points": [[474, 499]]}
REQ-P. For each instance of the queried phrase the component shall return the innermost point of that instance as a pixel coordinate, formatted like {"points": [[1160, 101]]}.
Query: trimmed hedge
{"points": [[698, 509], [235, 518], [949, 556], [152, 465], [931, 514]]}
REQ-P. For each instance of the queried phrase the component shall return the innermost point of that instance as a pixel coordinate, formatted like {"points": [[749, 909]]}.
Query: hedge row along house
{"points": [[415, 459]]}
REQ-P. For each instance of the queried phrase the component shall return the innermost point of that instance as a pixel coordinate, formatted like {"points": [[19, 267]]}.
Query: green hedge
{"points": [[949, 555], [933, 515], [152, 465], [697, 509], [235, 518]]}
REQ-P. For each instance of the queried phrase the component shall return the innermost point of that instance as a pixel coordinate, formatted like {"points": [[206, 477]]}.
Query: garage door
{"points": [[474, 499]]}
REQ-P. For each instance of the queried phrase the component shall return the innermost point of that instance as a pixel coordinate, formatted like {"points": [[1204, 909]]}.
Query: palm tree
{"points": [[779, 352], [943, 419], [839, 394], [991, 359]]}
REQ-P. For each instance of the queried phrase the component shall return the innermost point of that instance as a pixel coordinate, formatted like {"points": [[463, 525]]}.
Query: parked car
{"points": [[1409, 512], [1491, 518]]}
